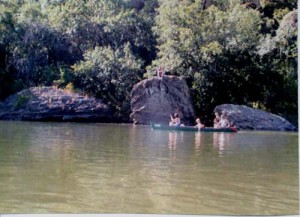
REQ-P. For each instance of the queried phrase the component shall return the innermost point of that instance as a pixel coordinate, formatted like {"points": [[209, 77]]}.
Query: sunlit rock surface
{"points": [[288, 26], [53, 104], [248, 118], [286, 35], [156, 98]]}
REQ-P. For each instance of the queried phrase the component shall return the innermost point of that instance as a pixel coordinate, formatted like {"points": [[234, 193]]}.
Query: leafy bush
{"points": [[110, 75], [227, 52]]}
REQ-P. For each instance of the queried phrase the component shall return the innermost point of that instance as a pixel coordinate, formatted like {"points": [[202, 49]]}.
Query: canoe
{"points": [[193, 129]]}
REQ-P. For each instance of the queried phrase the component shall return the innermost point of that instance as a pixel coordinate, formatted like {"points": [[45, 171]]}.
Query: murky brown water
{"points": [[96, 168]]}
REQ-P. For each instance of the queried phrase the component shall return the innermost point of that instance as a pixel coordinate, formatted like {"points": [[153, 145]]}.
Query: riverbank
{"points": [[54, 104]]}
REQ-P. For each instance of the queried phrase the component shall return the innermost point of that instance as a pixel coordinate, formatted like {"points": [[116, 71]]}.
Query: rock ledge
{"points": [[53, 104]]}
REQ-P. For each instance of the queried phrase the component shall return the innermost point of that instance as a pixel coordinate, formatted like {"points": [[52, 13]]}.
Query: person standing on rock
{"points": [[160, 72]]}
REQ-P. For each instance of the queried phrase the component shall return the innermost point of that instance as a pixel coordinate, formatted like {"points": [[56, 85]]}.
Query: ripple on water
{"points": [[94, 168]]}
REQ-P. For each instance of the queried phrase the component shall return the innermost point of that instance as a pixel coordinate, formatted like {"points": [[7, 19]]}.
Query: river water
{"points": [[103, 168]]}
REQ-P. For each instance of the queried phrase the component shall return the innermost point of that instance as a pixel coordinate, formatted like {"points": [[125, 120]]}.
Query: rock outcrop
{"points": [[207, 3], [286, 36], [288, 26], [156, 98], [248, 118], [53, 104]]}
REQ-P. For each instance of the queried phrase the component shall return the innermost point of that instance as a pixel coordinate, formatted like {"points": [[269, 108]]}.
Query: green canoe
{"points": [[195, 129]]}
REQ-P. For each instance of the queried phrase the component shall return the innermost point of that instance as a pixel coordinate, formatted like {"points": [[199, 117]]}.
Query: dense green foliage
{"points": [[223, 53], [228, 52], [109, 74]]}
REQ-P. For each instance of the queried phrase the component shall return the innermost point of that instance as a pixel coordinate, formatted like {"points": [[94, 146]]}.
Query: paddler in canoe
{"points": [[224, 123], [217, 120], [221, 121], [175, 121], [199, 125], [175, 124]]}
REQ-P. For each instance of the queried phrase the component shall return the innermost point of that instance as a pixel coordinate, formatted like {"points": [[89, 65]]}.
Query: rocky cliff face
{"points": [[288, 26], [156, 98], [52, 104], [248, 118]]}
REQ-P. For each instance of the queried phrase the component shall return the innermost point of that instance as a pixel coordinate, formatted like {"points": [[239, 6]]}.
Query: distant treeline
{"points": [[229, 51]]}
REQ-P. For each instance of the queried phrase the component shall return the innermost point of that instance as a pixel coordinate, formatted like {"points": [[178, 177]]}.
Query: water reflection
{"points": [[221, 141], [197, 142], [172, 141], [172, 144], [92, 168]]}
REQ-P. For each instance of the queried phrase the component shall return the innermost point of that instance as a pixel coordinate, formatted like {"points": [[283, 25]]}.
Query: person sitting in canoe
{"points": [[199, 125], [217, 120], [175, 121], [224, 123]]}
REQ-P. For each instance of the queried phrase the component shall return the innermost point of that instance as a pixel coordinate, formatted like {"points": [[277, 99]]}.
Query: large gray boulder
{"points": [[248, 118], [156, 98], [53, 104]]}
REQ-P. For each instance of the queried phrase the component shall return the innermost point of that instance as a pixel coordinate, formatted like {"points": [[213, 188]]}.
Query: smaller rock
{"points": [[247, 118]]}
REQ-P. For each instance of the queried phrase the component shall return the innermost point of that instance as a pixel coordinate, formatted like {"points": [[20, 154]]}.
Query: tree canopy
{"points": [[228, 51]]}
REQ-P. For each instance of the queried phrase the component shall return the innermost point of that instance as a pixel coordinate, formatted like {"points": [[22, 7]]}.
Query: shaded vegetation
{"points": [[228, 50]]}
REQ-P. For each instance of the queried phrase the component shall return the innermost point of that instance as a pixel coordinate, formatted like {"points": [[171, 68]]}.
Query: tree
{"points": [[228, 52], [210, 48], [110, 75], [9, 30], [279, 58]]}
